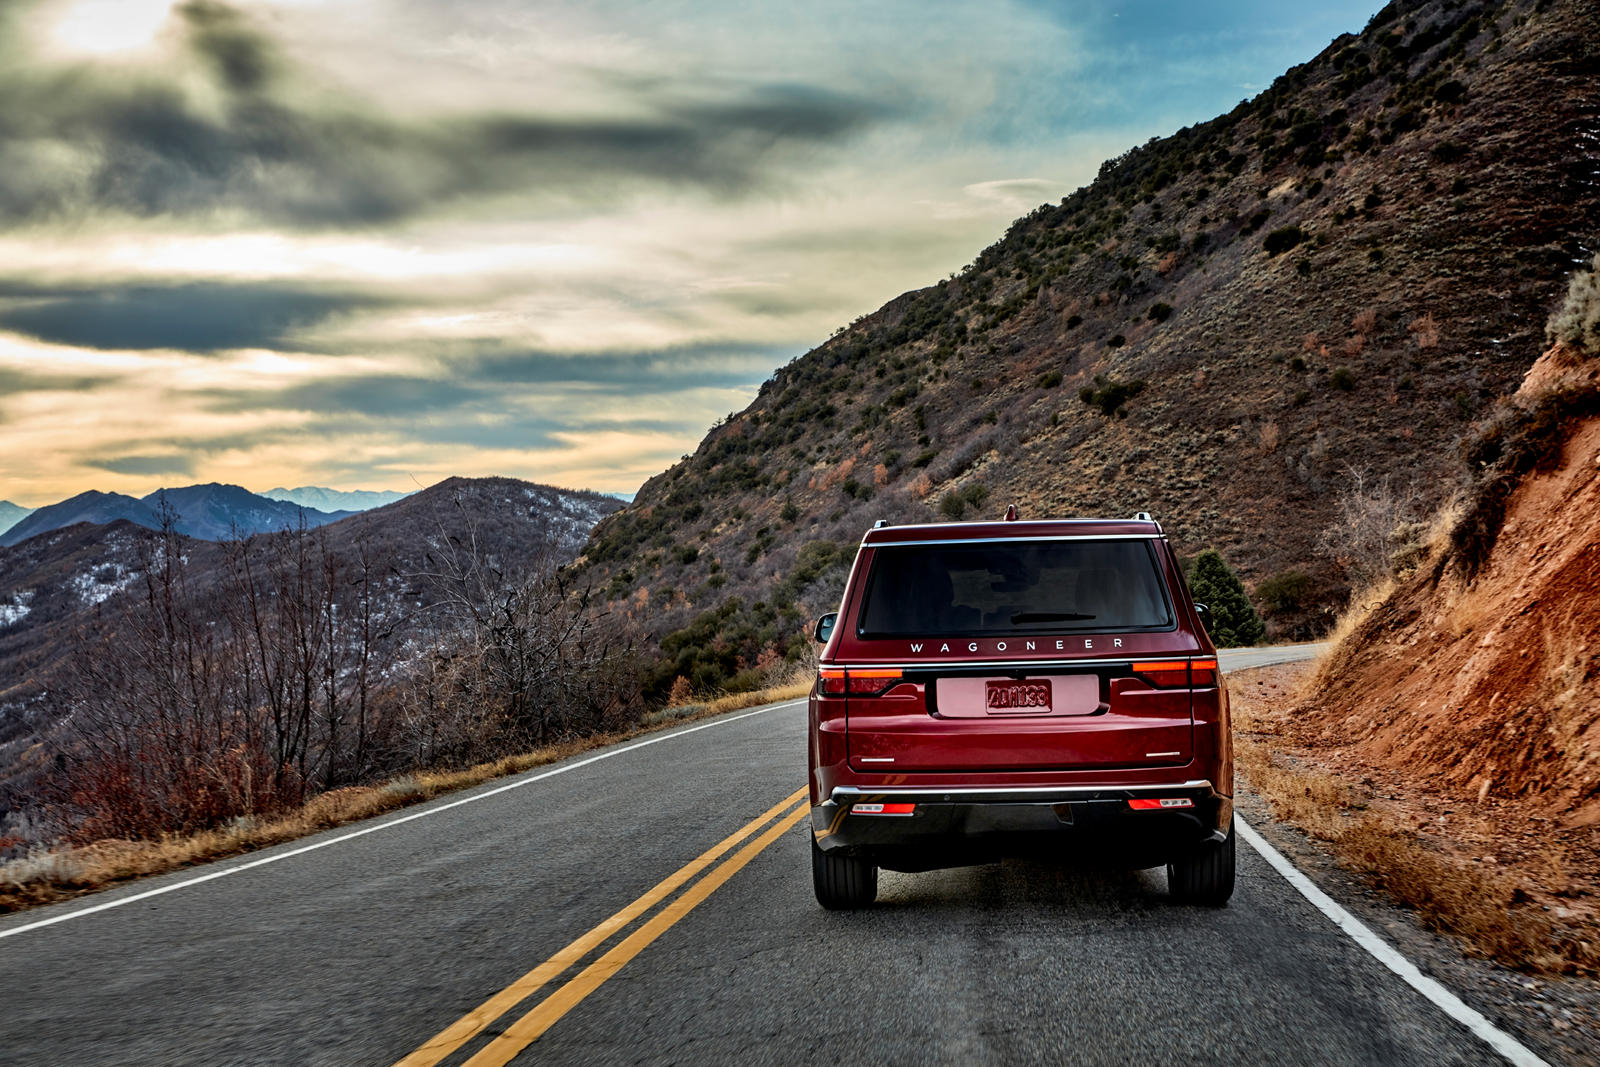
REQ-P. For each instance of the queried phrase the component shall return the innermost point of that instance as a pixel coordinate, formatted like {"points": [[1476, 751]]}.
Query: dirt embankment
{"points": [[1448, 746], [1487, 688]]}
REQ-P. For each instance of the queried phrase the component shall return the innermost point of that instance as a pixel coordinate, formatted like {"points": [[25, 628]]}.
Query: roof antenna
{"points": [[1011, 513]]}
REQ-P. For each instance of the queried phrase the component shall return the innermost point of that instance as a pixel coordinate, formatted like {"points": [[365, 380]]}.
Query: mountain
{"points": [[336, 499], [217, 512], [92, 507], [210, 512], [1227, 328], [11, 514], [511, 518]]}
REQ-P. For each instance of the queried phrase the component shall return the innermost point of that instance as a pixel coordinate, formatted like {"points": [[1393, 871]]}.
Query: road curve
{"points": [[363, 951]]}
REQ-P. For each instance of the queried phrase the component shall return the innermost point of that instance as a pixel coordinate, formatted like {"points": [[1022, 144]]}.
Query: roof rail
{"points": [[1142, 516], [881, 523]]}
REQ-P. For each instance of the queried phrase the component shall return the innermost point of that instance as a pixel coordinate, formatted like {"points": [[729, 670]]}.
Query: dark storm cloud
{"points": [[196, 317], [709, 365], [145, 465], [75, 142]]}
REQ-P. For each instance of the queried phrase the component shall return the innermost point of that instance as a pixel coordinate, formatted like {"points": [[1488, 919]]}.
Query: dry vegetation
{"points": [[1524, 900], [47, 874]]}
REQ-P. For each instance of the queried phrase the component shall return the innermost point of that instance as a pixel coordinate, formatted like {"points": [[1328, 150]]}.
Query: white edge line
{"points": [[1379, 949], [518, 783]]}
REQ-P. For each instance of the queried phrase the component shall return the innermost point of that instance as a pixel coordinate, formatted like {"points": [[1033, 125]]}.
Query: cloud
{"points": [[195, 317], [15, 382], [145, 465], [258, 144]]}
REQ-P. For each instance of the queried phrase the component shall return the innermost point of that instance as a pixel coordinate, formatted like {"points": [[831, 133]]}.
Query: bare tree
{"points": [[1375, 528]]}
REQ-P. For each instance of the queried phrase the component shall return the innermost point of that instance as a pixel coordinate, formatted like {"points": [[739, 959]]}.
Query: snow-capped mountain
{"points": [[315, 496]]}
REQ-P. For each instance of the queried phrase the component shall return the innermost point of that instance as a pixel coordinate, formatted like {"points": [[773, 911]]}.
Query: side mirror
{"points": [[1205, 616], [825, 625]]}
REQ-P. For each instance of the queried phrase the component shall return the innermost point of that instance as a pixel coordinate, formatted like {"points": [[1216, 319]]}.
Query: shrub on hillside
{"points": [[1234, 623], [1282, 239], [955, 503], [1578, 321], [1286, 592], [1111, 396]]}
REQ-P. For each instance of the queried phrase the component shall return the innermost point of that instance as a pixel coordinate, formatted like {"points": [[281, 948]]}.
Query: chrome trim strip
{"points": [[998, 540], [846, 792]]}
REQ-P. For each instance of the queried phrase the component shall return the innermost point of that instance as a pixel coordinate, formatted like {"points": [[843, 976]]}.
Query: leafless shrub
{"points": [[1376, 526], [1426, 331], [524, 658], [192, 712]]}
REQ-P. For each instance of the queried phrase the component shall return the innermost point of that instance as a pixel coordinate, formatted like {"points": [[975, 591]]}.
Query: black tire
{"points": [[1205, 876], [842, 882]]}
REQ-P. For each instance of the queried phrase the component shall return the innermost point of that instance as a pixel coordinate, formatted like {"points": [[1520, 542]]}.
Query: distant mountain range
{"points": [[211, 512], [11, 514], [314, 496]]}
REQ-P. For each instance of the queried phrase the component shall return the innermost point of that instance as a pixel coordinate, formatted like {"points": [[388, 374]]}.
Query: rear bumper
{"points": [[954, 827]]}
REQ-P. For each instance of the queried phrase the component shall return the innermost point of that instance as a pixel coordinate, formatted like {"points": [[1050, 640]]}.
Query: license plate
{"points": [[1012, 697]]}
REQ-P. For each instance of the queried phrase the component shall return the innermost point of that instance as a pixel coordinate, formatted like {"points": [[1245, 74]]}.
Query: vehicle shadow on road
{"points": [[1026, 884]]}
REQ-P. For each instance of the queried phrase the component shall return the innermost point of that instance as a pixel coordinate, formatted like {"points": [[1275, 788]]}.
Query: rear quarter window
{"points": [[996, 588]]}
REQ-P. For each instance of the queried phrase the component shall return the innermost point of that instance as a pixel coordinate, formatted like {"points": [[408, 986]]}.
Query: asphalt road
{"points": [[361, 951]]}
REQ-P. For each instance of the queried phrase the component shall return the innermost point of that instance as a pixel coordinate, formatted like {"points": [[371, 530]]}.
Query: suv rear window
{"points": [[1003, 587]]}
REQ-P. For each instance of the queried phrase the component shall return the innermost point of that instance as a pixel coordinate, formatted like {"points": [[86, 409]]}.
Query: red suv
{"points": [[1011, 688]]}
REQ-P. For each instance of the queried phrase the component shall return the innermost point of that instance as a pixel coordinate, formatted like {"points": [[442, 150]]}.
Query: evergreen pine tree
{"points": [[1234, 622]]}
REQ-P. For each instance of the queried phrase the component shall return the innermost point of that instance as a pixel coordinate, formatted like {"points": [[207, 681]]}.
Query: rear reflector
{"points": [[882, 809], [1157, 803]]}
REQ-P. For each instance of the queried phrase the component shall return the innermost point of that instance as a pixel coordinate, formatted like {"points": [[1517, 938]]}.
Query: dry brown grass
{"points": [[56, 874], [1487, 907]]}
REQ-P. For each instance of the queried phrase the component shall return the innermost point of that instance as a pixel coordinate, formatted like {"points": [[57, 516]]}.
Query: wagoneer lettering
{"points": [[1019, 687]]}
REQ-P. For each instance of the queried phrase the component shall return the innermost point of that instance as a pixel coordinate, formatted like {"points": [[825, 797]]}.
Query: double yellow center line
{"points": [[504, 1047]]}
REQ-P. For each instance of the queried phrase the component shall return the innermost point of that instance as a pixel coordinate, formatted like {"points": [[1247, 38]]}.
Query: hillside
{"points": [[1335, 277], [61, 591]]}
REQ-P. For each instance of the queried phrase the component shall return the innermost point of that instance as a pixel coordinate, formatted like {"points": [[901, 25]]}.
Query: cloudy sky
{"points": [[373, 243]]}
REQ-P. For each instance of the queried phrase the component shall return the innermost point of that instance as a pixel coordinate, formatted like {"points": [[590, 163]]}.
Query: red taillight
{"points": [[1159, 803], [1176, 674], [837, 681], [1164, 674]]}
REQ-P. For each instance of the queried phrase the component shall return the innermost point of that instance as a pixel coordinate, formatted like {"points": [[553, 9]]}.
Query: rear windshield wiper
{"points": [[1049, 616]]}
